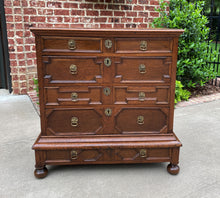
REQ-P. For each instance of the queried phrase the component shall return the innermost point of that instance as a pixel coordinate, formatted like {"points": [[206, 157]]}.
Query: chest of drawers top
{"points": [[118, 42]]}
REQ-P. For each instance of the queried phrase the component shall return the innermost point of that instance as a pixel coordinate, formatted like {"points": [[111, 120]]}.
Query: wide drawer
{"points": [[142, 120], [62, 69], [113, 155], [74, 95], [73, 121], [139, 95], [143, 45], [72, 44], [143, 69]]}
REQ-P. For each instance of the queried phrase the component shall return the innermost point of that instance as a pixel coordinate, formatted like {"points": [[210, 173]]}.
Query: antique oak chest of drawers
{"points": [[106, 97]]}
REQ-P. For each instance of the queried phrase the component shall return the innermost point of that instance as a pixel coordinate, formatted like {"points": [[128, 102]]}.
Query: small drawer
{"points": [[74, 95], [72, 44], [143, 45], [73, 121], [142, 120], [143, 69], [141, 95], [63, 69]]}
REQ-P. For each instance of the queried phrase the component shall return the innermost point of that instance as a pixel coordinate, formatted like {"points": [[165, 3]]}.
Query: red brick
{"points": [[20, 56], [18, 18], [29, 40], [12, 56], [119, 13], [7, 3], [154, 14], [78, 12], [76, 25], [138, 7], [143, 1], [118, 25], [21, 63], [70, 5], [22, 69], [10, 33], [100, 20], [8, 10], [106, 13], [105, 25], [61, 12], [9, 18], [18, 26], [86, 5], [19, 33], [20, 49], [17, 11], [131, 14], [16, 3], [22, 77], [143, 14], [31, 55], [15, 77], [55, 19], [54, 5], [35, 3], [138, 20], [31, 11], [143, 25], [61, 25], [37, 19], [23, 91], [19, 41], [15, 91], [100, 6], [92, 13], [154, 2], [27, 48], [29, 62], [126, 20]]}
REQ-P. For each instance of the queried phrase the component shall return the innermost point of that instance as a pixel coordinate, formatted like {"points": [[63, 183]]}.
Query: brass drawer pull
{"points": [[73, 69], [74, 96], [72, 44], [108, 43], [141, 96], [107, 62], [143, 153], [140, 120], [107, 91], [142, 68], [108, 112], [143, 45], [74, 155], [74, 121]]}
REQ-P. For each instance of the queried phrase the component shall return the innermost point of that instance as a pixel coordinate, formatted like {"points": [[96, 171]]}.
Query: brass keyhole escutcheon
{"points": [[74, 155], [74, 96], [72, 44], [140, 120], [143, 153], [108, 43], [142, 68], [141, 96], [108, 112], [143, 45], [107, 91], [73, 69], [107, 62], [74, 121]]}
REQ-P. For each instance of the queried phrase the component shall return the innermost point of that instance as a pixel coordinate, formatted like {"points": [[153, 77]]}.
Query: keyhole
{"points": [[107, 62], [108, 112]]}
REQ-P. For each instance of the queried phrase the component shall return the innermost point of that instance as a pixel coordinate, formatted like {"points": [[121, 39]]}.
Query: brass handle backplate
{"points": [[143, 45], [108, 112], [107, 91], [72, 44], [143, 153], [107, 62], [141, 96], [108, 43], [74, 121], [73, 69], [142, 68], [74, 96], [140, 120], [74, 155]]}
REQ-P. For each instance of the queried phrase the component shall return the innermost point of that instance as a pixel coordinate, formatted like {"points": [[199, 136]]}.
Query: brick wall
{"points": [[23, 14]]}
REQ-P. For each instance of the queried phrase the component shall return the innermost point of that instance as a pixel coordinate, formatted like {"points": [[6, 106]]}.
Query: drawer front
{"points": [[143, 70], [72, 69], [143, 45], [141, 95], [116, 155], [74, 95], [142, 120], [72, 44], [73, 121]]}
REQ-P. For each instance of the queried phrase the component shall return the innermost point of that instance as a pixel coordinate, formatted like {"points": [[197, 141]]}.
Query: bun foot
{"points": [[40, 172], [173, 169]]}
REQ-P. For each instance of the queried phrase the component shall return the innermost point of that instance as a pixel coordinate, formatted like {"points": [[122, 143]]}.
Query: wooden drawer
{"points": [[115, 155], [63, 69], [143, 69], [141, 95], [143, 45], [74, 95], [72, 44], [73, 121], [142, 120]]}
